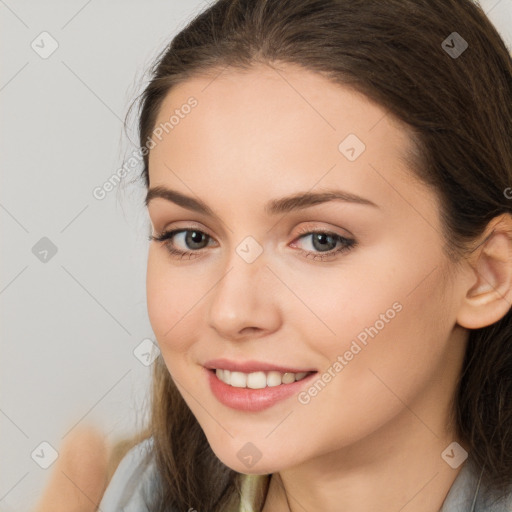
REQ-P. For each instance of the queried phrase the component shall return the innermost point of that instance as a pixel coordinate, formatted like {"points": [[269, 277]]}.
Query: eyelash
{"points": [[348, 244]]}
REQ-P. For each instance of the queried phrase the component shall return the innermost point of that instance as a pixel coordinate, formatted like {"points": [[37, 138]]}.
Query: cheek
{"points": [[377, 315], [386, 361], [173, 297], [368, 384], [376, 293]]}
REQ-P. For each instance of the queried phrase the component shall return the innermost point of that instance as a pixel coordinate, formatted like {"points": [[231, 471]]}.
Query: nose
{"points": [[244, 302]]}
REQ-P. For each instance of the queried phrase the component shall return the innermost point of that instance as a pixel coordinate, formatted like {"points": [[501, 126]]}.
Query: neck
{"points": [[398, 467]]}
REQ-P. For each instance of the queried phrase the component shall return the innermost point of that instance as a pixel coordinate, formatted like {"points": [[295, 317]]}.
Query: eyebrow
{"points": [[297, 201]]}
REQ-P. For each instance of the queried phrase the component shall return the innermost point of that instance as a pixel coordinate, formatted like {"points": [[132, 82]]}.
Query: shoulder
{"points": [[468, 494], [134, 474], [492, 502]]}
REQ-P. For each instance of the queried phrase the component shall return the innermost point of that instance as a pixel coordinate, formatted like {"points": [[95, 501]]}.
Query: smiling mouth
{"points": [[258, 380]]}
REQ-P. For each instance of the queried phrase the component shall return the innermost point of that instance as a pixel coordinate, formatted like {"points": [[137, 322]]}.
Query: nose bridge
{"points": [[242, 297], [245, 266]]}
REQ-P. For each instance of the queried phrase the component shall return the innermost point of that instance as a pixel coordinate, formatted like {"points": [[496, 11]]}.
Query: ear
{"points": [[489, 295]]}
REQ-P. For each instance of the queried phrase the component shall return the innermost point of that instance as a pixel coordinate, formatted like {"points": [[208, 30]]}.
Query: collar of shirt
{"points": [[467, 494]]}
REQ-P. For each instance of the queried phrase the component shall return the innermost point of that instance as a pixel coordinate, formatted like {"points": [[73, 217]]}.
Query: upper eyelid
{"points": [[304, 232], [309, 226], [223, 228]]}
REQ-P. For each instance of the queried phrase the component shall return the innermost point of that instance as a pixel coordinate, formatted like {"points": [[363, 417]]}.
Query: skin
{"points": [[79, 475], [383, 421]]}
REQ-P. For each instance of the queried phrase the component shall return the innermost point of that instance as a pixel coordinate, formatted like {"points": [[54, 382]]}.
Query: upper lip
{"points": [[252, 366]]}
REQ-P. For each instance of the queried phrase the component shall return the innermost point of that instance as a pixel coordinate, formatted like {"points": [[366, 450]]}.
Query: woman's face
{"points": [[368, 305]]}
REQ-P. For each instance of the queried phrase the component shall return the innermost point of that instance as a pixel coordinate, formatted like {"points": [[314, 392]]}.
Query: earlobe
{"points": [[489, 296]]}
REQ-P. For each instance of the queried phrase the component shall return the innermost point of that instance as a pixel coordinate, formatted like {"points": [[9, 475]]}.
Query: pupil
{"points": [[194, 237], [322, 238]]}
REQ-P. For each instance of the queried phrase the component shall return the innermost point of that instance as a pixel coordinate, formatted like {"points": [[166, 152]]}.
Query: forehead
{"points": [[281, 127]]}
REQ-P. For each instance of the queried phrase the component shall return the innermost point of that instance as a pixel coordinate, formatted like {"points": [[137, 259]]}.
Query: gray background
{"points": [[70, 324]]}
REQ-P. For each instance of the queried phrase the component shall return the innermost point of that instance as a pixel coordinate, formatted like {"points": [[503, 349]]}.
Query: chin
{"points": [[248, 459]]}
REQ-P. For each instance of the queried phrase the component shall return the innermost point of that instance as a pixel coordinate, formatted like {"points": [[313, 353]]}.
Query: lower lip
{"points": [[252, 400]]}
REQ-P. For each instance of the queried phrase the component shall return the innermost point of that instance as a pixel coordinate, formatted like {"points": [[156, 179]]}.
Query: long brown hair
{"points": [[457, 110]]}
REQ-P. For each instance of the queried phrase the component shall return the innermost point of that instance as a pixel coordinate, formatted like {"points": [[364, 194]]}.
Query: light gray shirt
{"points": [[135, 473]]}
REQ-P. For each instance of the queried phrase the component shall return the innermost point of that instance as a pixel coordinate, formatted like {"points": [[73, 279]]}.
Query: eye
{"points": [[190, 238], [323, 245]]}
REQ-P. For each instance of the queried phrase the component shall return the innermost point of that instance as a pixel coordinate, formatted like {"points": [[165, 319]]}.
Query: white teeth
{"points": [[238, 379], [223, 375], [288, 378], [258, 380], [273, 379]]}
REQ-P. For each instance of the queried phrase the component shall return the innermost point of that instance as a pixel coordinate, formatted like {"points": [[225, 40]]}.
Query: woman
{"points": [[329, 277]]}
